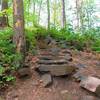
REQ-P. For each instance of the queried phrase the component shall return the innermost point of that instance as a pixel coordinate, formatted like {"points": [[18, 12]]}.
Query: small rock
{"points": [[79, 76], [80, 66], [24, 72], [47, 80]]}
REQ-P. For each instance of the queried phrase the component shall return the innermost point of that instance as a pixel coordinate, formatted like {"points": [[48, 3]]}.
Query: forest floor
{"points": [[63, 88]]}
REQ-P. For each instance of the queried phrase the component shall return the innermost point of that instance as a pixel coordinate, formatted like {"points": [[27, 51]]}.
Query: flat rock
{"points": [[52, 61], [91, 84], [58, 57], [57, 70], [46, 79], [45, 57]]}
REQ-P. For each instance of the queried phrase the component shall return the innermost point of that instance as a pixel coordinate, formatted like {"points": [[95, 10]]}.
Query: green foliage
{"points": [[2, 70], [89, 39], [41, 32], [30, 38], [96, 45], [7, 55]]}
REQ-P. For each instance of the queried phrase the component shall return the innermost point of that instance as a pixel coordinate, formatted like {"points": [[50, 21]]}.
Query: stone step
{"points": [[55, 51], [47, 62], [50, 57], [44, 57], [57, 70]]}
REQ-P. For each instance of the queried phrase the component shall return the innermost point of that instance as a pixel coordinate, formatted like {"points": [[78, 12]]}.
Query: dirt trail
{"points": [[32, 89]]}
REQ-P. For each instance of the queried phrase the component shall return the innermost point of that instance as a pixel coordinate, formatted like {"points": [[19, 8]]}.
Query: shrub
{"points": [[7, 56]]}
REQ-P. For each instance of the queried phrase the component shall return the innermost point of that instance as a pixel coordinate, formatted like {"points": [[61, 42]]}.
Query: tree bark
{"points": [[48, 10], [19, 37], [63, 14]]}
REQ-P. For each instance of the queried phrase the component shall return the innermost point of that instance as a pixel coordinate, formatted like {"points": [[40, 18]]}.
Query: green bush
{"points": [[7, 56], [88, 39]]}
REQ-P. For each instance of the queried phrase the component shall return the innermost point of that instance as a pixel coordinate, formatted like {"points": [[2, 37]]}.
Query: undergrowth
{"points": [[7, 56]]}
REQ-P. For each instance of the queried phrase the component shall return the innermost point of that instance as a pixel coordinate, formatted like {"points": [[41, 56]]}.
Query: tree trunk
{"points": [[4, 17], [77, 13], [19, 37], [54, 12], [63, 14], [39, 11], [81, 16], [48, 10], [34, 7]]}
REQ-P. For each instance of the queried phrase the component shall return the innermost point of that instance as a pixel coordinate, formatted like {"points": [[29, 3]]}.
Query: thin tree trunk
{"points": [[81, 16], [19, 37], [4, 17], [54, 13], [63, 14], [39, 11], [48, 10], [34, 5], [77, 13]]}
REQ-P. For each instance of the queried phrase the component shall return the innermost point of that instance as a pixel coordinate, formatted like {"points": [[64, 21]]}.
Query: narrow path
{"points": [[62, 87]]}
